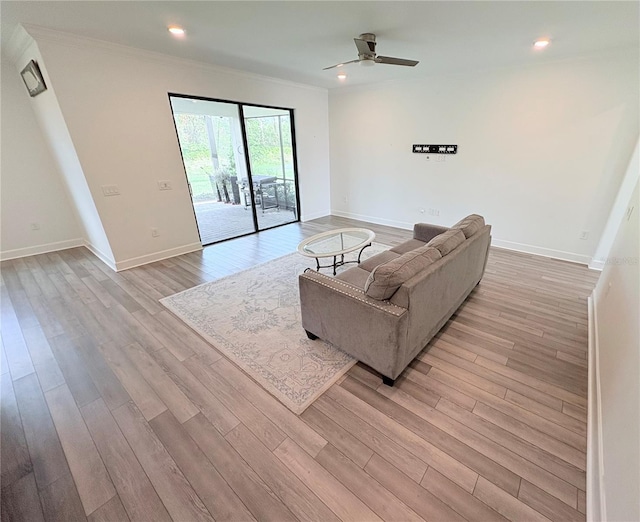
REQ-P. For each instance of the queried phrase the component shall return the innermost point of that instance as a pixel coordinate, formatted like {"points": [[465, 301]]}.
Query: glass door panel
{"points": [[270, 147], [210, 134]]}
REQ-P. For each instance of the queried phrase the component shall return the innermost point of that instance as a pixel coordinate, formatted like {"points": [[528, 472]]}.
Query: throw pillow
{"points": [[447, 241], [386, 278], [470, 225]]}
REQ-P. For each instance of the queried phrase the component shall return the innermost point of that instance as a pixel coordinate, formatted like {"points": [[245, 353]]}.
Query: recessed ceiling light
{"points": [[176, 31], [342, 76], [541, 43]]}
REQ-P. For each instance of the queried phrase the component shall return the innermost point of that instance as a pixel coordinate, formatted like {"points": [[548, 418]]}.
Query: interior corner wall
{"points": [[31, 188], [54, 128], [115, 103], [541, 153], [618, 210], [617, 309]]}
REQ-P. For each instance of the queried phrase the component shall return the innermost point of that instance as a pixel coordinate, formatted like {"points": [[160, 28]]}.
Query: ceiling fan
{"points": [[366, 45]]}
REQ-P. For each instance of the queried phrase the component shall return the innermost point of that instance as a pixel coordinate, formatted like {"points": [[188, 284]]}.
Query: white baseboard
{"points": [[40, 249], [107, 260], [596, 265], [508, 245], [315, 215], [596, 505], [156, 256], [541, 251], [373, 219]]}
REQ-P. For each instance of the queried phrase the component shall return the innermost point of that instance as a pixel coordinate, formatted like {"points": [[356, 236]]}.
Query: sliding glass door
{"points": [[272, 166], [240, 165]]}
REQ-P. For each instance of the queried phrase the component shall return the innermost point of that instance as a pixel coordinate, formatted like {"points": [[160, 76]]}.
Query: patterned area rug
{"points": [[253, 317]]}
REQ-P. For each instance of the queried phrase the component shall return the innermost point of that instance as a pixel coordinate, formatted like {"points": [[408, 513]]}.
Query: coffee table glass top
{"points": [[336, 242]]}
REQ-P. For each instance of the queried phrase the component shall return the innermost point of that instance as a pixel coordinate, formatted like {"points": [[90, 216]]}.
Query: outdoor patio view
{"points": [[226, 196]]}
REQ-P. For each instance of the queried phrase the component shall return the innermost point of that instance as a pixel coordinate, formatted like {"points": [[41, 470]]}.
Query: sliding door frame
{"points": [[245, 144]]}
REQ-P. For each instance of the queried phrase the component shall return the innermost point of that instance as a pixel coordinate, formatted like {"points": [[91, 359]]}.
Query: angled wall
{"points": [[618, 210], [614, 371], [52, 122], [32, 193]]}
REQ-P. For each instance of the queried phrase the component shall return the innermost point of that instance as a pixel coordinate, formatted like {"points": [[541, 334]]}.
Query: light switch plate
{"points": [[110, 190]]}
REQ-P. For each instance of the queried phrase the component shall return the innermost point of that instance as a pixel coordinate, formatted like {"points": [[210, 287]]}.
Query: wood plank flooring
{"points": [[113, 410]]}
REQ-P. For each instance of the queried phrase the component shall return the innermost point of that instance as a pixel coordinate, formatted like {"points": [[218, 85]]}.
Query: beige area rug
{"points": [[253, 317]]}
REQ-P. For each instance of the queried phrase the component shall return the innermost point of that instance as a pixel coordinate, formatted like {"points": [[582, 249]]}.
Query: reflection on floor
{"points": [[218, 221]]}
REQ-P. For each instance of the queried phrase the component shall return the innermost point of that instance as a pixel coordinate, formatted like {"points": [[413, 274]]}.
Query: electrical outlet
{"points": [[164, 185], [154, 232], [35, 226], [110, 190], [584, 235], [434, 212], [345, 199]]}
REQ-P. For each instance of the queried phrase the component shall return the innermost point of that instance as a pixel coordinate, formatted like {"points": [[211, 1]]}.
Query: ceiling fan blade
{"points": [[365, 47], [396, 61], [340, 64]]}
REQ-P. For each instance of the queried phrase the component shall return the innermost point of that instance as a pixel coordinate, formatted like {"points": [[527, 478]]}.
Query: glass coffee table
{"points": [[336, 243]]}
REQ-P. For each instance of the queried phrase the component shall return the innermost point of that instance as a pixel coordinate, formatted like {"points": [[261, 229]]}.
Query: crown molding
{"points": [[18, 43], [43, 34]]}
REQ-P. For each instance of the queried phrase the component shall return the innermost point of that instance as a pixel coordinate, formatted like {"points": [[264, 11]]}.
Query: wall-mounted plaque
{"points": [[435, 149], [33, 79]]}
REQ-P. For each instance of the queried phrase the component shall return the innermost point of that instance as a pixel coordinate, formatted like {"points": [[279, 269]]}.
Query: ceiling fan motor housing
{"points": [[370, 38]]}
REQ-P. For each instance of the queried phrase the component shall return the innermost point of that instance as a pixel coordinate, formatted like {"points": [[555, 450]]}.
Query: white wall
{"points": [[115, 105], [616, 441], [31, 190], [56, 134], [542, 150]]}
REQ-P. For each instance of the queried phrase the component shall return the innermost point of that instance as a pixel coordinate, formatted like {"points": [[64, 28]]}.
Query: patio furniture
{"points": [[260, 184]]}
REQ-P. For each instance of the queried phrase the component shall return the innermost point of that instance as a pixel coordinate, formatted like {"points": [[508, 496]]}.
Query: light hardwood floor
{"points": [[113, 410]]}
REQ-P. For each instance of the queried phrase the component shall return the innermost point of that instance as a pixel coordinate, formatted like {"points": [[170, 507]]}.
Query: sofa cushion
{"points": [[378, 259], [447, 241], [355, 275], [407, 246], [385, 279], [470, 225]]}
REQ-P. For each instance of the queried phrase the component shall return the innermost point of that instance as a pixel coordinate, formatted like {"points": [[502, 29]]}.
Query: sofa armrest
{"points": [[340, 313], [351, 292], [426, 232]]}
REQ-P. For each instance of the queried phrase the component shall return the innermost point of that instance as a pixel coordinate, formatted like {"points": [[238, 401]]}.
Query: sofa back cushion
{"points": [[386, 278], [469, 225], [447, 241]]}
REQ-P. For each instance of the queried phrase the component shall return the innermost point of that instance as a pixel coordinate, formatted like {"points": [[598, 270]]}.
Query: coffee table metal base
{"points": [[341, 262], [335, 244]]}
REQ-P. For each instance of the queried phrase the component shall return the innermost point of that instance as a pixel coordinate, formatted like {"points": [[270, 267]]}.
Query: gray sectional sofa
{"points": [[384, 311]]}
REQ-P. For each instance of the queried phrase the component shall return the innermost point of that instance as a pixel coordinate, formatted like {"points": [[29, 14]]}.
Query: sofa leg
{"points": [[311, 336], [387, 381]]}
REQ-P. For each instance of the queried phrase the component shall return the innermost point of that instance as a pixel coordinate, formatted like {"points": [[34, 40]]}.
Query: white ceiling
{"points": [[294, 40]]}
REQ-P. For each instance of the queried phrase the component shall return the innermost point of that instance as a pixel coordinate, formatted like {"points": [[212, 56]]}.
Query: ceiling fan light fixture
{"points": [[342, 76], [367, 62]]}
